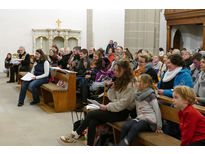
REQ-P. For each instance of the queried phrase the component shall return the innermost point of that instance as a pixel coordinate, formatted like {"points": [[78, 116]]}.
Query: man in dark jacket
{"points": [[64, 60], [22, 66], [110, 45]]}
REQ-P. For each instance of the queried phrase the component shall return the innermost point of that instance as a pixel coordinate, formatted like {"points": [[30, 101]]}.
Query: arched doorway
{"points": [[177, 40], [59, 41]]}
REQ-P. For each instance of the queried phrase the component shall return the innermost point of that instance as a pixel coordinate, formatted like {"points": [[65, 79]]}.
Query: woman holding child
{"points": [[122, 102]]}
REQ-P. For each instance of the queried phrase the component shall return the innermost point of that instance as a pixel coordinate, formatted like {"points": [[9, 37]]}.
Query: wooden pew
{"points": [[61, 99], [151, 138]]}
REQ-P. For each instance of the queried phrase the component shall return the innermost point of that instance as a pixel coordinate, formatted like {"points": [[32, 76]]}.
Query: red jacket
{"points": [[192, 125], [111, 57]]}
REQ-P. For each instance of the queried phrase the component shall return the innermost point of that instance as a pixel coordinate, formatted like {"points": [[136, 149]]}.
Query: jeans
{"points": [[97, 117], [32, 86], [132, 128]]}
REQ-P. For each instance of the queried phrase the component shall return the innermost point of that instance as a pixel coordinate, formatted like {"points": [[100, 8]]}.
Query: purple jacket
{"points": [[102, 75]]}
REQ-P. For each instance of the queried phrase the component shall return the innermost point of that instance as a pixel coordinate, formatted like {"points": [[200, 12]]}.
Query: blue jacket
{"points": [[182, 78]]}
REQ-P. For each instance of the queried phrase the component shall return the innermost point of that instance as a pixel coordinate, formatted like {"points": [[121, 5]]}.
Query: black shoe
{"points": [[9, 81], [33, 103], [20, 104]]}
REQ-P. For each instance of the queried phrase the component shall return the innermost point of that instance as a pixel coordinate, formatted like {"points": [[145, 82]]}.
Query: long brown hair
{"points": [[127, 77], [43, 57]]}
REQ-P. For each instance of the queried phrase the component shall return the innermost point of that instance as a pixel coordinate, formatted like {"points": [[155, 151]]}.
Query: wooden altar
{"points": [[176, 17]]}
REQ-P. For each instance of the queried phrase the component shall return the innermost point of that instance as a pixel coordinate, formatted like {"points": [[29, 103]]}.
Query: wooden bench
{"points": [[151, 138], [62, 99]]}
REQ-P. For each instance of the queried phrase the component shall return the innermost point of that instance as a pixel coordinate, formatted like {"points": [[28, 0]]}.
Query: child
{"points": [[192, 122], [148, 112]]}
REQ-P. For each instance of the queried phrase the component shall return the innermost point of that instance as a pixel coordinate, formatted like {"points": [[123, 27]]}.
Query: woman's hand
{"points": [[103, 107], [158, 130], [160, 91], [111, 83], [34, 78]]}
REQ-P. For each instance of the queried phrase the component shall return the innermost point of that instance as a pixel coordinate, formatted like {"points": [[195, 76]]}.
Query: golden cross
{"points": [[58, 22]]}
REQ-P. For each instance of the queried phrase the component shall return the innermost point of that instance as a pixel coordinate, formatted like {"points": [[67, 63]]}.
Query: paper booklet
{"points": [[92, 106], [15, 61], [93, 102], [58, 68], [28, 77]]}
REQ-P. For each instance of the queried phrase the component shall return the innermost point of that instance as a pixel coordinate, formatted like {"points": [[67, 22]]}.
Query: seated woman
{"points": [[145, 67], [156, 64], [7, 64], [192, 122], [41, 71], [53, 58], [175, 75], [122, 102], [199, 87]]}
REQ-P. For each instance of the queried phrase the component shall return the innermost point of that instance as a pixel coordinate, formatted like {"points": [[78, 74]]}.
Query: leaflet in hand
{"points": [[92, 106], [15, 61], [93, 102], [28, 77]]}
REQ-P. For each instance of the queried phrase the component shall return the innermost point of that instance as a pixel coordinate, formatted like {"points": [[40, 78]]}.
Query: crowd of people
{"points": [[134, 82]]}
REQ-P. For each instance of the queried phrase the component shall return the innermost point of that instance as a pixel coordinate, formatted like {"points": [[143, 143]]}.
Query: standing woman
{"points": [[41, 71], [122, 102]]}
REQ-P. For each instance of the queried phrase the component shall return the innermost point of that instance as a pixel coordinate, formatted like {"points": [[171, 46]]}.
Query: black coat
{"points": [[64, 61]]}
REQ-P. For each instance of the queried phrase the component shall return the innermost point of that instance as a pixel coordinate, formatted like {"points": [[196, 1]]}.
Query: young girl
{"points": [[148, 112], [192, 122]]}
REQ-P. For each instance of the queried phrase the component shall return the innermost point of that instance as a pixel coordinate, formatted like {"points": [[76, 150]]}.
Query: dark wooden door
{"points": [[177, 39]]}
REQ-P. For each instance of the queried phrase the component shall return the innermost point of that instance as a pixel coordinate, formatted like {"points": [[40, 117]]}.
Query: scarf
{"points": [[198, 83], [142, 94], [169, 75], [157, 65]]}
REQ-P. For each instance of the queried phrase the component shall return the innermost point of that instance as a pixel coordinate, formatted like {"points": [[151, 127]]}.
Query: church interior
{"points": [[59, 48]]}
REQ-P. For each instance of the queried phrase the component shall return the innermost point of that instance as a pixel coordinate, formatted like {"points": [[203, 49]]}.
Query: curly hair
{"points": [[127, 77], [177, 59]]}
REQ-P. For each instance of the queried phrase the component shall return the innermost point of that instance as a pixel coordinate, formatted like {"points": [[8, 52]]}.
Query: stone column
{"points": [[142, 29], [90, 28]]}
